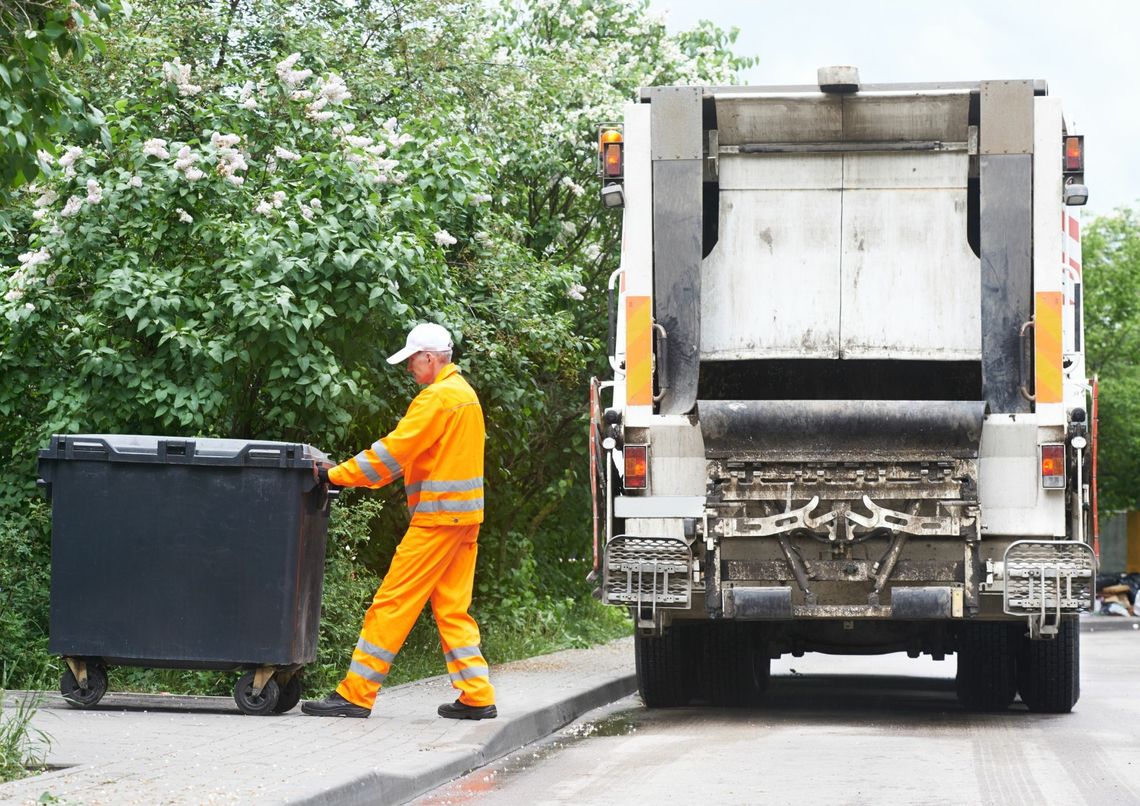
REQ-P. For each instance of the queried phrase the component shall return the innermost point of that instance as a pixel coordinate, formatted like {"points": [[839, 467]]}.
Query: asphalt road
{"points": [[838, 730]]}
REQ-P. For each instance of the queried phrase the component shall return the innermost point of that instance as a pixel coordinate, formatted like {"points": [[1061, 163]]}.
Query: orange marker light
{"points": [[611, 142], [1074, 154]]}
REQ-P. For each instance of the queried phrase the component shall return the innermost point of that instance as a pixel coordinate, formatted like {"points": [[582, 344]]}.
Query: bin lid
{"points": [[181, 450]]}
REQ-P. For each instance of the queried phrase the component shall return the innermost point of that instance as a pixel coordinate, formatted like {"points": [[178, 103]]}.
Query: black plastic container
{"points": [[185, 553]]}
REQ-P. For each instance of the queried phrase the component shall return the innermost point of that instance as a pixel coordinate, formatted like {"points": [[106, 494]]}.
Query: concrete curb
{"points": [[509, 734]]}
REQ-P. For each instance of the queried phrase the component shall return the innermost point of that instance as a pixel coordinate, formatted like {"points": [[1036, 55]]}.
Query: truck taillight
{"points": [[610, 144], [636, 467], [1053, 467], [1074, 161]]}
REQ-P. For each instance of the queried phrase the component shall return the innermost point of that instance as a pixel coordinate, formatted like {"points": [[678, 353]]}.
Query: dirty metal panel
{"points": [[1006, 117], [677, 232], [677, 128], [770, 288], [921, 602], [853, 570], [1006, 237], [831, 429], [943, 117], [1009, 486], [779, 120], [910, 283]]}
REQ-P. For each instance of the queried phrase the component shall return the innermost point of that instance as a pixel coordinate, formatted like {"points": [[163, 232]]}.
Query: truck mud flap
{"points": [[827, 429]]}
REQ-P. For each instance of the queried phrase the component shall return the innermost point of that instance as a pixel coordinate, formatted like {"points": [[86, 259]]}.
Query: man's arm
{"points": [[384, 461]]}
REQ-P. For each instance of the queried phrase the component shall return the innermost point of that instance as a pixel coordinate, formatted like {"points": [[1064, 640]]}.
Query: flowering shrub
{"points": [[285, 188]]}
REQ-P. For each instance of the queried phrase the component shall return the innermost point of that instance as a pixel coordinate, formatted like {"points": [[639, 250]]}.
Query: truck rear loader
{"points": [[849, 410]]}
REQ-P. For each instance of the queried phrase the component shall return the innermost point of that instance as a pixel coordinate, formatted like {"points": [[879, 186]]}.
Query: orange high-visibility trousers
{"points": [[436, 563]]}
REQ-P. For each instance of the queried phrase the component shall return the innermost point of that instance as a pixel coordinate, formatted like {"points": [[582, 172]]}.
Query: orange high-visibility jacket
{"points": [[438, 449]]}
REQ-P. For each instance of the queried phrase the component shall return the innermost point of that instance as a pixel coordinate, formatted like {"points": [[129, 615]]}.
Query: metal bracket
{"points": [[894, 520], [782, 523], [261, 677], [79, 669]]}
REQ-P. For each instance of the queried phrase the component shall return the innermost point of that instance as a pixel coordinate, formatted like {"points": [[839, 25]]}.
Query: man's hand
{"points": [[322, 473]]}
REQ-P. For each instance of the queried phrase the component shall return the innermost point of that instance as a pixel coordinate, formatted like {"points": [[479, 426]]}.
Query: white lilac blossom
{"points": [[68, 158], [285, 154], [315, 204], [277, 197], [574, 187], [344, 129], [219, 140], [249, 103], [445, 238], [235, 180], [39, 214], [184, 216], [47, 198], [186, 158], [193, 173], [29, 260], [94, 192], [263, 208], [156, 147], [481, 198], [135, 181], [576, 291], [288, 75], [357, 142], [179, 74], [71, 207], [333, 89], [301, 95], [246, 91], [44, 156]]}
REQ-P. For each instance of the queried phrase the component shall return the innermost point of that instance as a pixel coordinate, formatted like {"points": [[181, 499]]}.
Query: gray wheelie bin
{"points": [[185, 553]]}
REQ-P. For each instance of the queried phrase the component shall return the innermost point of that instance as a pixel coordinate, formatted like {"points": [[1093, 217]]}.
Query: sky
{"points": [[1086, 50]]}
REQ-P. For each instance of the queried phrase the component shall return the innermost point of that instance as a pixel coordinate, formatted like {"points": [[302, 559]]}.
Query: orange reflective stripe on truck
{"points": [[1047, 338], [638, 352]]}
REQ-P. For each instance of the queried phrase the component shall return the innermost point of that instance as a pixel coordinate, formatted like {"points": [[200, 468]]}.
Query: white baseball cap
{"points": [[426, 337]]}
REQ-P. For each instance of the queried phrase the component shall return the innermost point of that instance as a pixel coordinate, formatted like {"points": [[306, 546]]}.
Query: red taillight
{"points": [[1053, 466], [636, 467], [1074, 154]]}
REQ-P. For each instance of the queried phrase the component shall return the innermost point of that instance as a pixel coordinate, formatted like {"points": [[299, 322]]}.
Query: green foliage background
{"points": [[235, 243], [1110, 251]]}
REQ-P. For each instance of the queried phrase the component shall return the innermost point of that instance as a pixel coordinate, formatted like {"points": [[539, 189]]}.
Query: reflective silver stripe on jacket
{"points": [[434, 486], [375, 651], [446, 505], [356, 667], [462, 652], [366, 467]]}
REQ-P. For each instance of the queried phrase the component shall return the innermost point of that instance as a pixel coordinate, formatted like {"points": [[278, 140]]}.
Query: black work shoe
{"points": [[334, 705], [461, 710]]}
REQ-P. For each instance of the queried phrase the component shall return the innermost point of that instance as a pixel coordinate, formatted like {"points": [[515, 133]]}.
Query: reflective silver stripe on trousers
{"points": [[358, 668], [377, 652], [450, 506], [462, 652], [470, 672], [432, 486]]}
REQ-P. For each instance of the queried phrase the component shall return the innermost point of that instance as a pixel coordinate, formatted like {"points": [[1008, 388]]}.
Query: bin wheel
{"points": [[256, 705], [88, 697], [290, 695]]}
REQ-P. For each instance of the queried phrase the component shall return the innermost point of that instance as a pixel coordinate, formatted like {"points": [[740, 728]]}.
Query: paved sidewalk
{"points": [[155, 749]]}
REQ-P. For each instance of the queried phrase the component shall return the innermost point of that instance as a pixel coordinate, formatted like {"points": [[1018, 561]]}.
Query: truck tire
{"points": [[665, 668], [735, 664], [1049, 672], [987, 658]]}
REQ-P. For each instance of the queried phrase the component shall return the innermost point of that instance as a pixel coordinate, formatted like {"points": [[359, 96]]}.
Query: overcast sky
{"points": [[1087, 51]]}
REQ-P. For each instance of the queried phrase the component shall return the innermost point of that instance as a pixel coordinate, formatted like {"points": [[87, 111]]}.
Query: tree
{"points": [[36, 107], [1111, 262]]}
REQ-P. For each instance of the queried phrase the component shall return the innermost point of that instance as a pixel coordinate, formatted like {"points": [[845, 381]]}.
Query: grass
{"points": [[22, 747]]}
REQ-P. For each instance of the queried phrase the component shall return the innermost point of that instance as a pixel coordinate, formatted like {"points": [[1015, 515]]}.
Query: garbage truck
{"points": [[848, 410]]}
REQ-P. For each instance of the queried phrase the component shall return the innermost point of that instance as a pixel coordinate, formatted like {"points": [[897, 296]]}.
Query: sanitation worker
{"points": [[438, 450]]}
